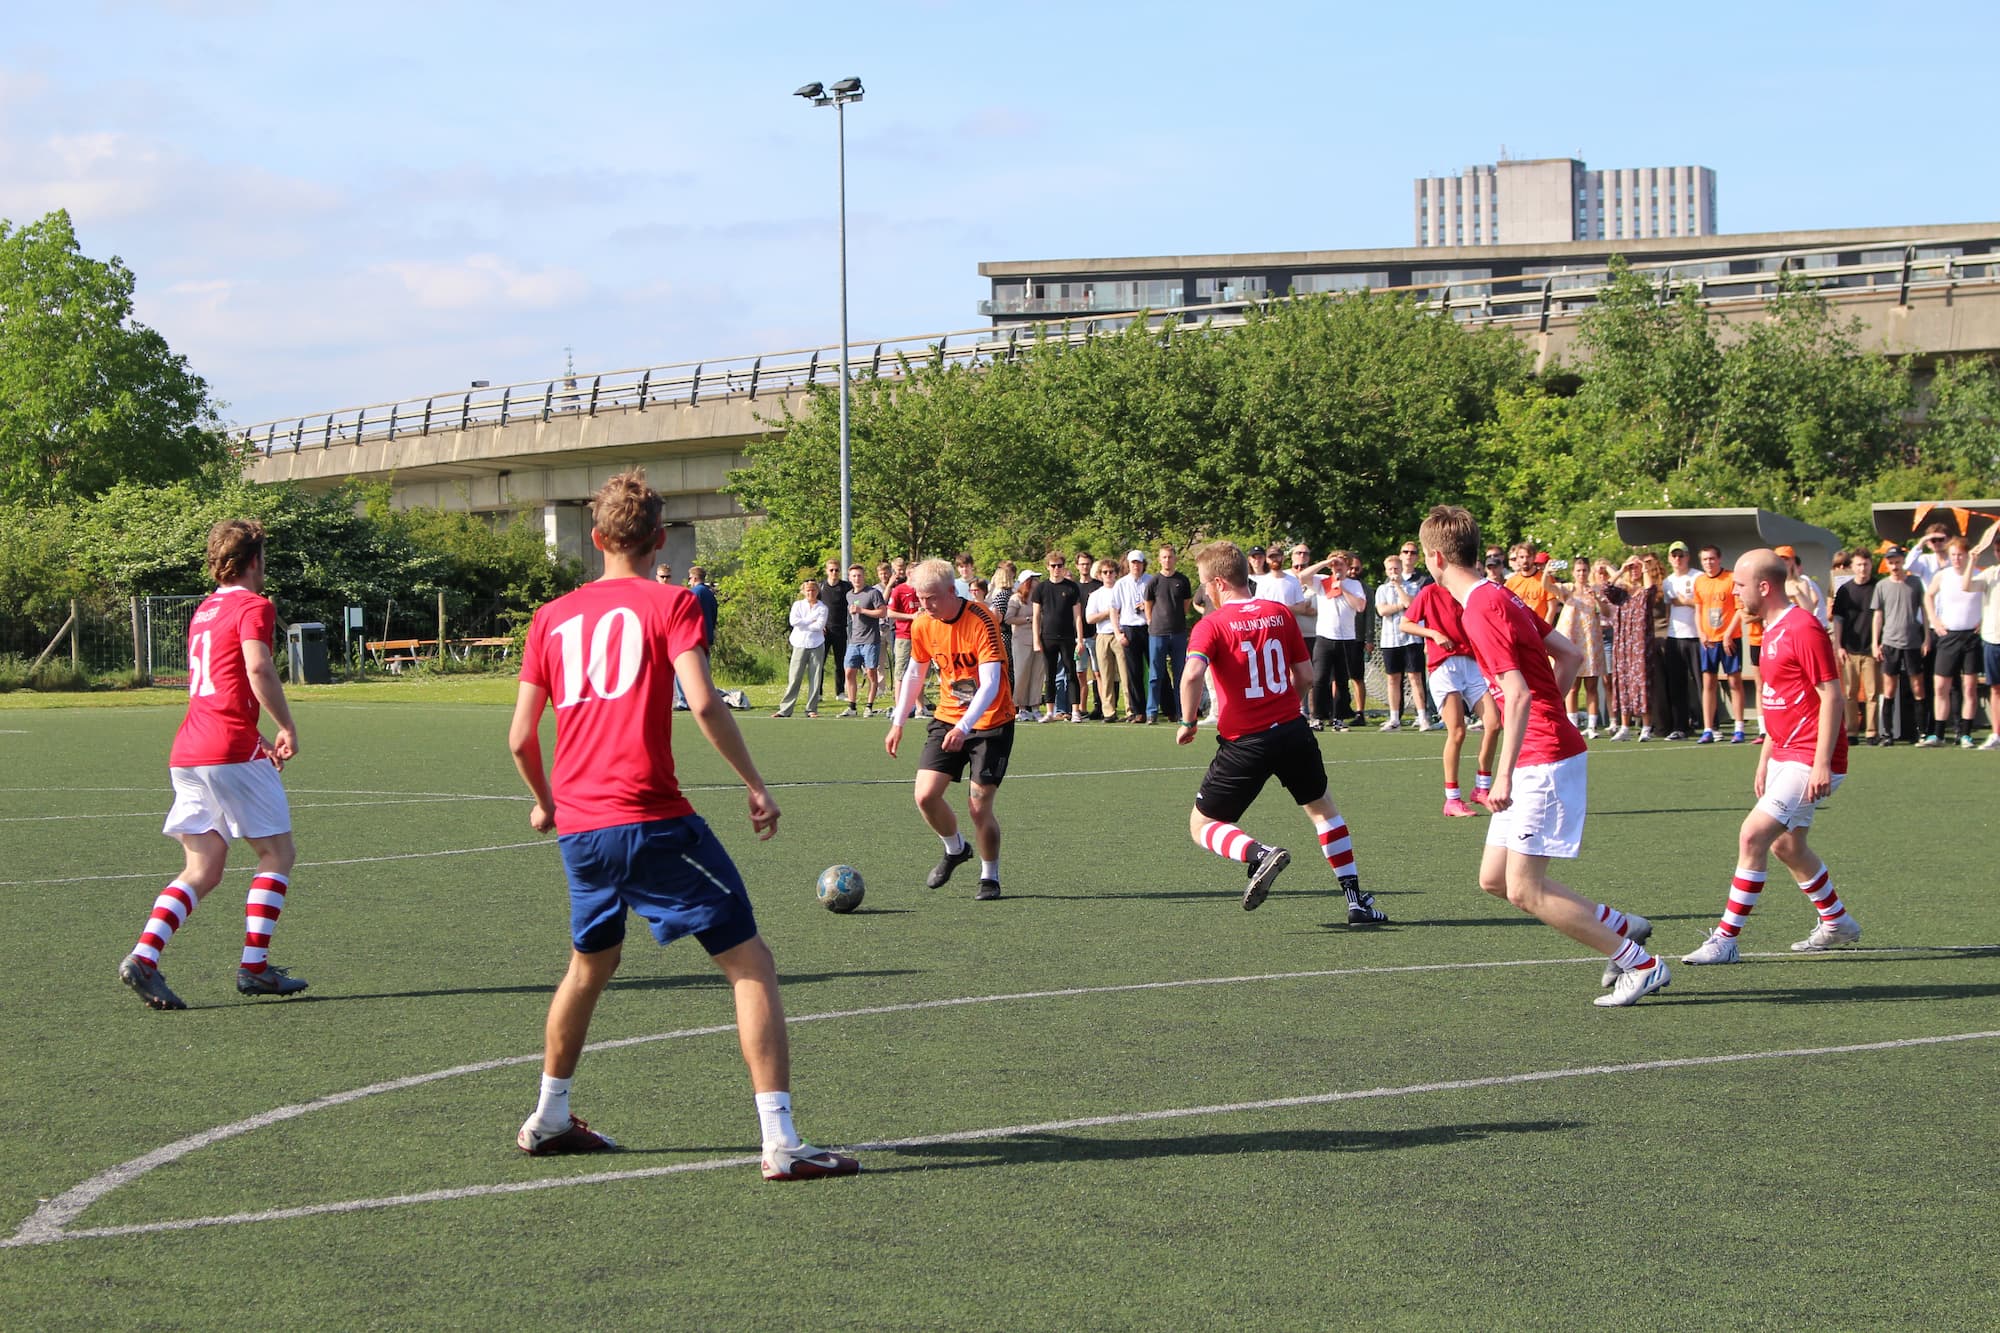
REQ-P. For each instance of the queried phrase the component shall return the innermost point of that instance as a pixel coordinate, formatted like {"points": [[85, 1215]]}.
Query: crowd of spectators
{"points": [[1668, 654]]}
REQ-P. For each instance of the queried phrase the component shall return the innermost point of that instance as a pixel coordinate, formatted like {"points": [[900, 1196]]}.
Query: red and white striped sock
{"points": [[1226, 840], [1482, 781], [1612, 919], [260, 917], [1819, 891], [1633, 957], [170, 913], [1452, 792], [1336, 846], [1743, 892]]}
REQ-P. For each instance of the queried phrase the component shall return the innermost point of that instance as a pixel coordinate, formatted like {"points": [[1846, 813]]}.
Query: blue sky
{"points": [[331, 205]]}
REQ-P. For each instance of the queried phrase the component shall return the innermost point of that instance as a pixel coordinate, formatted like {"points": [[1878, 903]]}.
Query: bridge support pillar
{"points": [[566, 527]]}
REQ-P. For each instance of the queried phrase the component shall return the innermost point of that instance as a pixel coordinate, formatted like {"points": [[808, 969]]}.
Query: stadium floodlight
{"points": [[845, 91]]}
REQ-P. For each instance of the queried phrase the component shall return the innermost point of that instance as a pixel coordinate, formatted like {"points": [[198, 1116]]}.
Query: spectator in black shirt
{"points": [[833, 596], [1169, 603], [1853, 645], [1089, 690], [1058, 627]]}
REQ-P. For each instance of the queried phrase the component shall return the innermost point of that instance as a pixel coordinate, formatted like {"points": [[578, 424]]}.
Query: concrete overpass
{"points": [[549, 444]]}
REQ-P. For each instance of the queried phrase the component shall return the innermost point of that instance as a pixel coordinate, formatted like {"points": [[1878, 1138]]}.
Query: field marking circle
{"points": [[50, 1221]]}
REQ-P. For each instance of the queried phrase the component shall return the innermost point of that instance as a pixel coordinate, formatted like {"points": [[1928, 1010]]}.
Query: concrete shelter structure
{"points": [[1734, 531], [1898, 522]]}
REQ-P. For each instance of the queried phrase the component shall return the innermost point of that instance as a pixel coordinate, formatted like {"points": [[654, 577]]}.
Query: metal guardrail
{"points": [[1510, 301]]}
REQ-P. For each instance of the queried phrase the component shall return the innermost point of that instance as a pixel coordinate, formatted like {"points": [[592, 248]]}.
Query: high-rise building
{"points": [[1559, 199]]}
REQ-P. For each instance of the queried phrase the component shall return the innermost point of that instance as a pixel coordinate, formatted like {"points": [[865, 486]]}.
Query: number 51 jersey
{"points": [[221, 722], [605, 654], [1250, 647]]}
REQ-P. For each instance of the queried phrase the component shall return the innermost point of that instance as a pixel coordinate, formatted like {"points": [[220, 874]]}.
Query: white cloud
{"points": [[484, 281]]}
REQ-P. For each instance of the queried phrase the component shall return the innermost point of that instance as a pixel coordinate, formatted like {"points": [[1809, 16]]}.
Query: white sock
{"points": [[552, 1111], [989, 870], [954, 844], [774, 1115]]}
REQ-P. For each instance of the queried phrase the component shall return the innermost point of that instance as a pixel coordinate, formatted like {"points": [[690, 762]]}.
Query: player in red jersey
{"points": [[1252, 652], [1539, 774], [225, 775], [1802, 761], [607, 656], [1456, 684]]}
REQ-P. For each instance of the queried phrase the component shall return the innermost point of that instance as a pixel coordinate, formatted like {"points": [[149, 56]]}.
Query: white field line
{"points": [[303, 805], [50, 1222], [303, 865], [44, 1237]]}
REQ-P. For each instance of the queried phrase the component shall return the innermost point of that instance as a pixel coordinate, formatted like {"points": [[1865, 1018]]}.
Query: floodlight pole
{"points": [[846, 489], [838, 96]]}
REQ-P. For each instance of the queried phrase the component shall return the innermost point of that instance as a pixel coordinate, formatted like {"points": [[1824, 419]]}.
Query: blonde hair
{"points": [[937, 574], [1452, 532], [626, 513], [1223, 560], [233, 546]]}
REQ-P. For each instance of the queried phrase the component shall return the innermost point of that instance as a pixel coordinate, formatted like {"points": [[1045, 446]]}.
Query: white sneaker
{"points": [[1830, 935], [1622, 734], [1991, 742], [1425, 724], [1717, 948], [1637, 929], [806, 1162], [1393, 724], [1590, 733], [1634, 986], [1645, 733]]}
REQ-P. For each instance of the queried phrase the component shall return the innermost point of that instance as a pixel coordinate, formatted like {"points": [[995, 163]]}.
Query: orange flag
{"points": [[1923, 512], [1963, 517]]}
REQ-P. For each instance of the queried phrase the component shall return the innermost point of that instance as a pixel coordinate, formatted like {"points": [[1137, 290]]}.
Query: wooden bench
{"points": [[395, 654], [463, 648]]}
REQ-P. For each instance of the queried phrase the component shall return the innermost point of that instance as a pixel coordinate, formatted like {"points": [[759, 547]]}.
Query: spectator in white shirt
{"points": [[808, 621], [1131, 594], [1402, 652], [1100, 621]]}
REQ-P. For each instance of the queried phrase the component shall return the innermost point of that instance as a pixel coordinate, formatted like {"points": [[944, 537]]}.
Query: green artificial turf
{"points": [[1835, 1190]]}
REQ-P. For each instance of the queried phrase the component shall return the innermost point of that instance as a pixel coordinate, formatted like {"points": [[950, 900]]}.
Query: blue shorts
{"points": [[672, 872], [1992, 665], [1714, 659], [866, 656]]}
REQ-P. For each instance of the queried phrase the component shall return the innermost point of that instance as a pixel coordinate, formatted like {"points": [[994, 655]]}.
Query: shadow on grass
{"points": [[1035, 1149], [689, 981], [1743, 809], [1521, 920], [1833, 994]]}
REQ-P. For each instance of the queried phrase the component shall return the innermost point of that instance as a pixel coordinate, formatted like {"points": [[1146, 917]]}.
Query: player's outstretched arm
{"points": [[263, 673], [524, 742], [704, 702], [908, 690]]}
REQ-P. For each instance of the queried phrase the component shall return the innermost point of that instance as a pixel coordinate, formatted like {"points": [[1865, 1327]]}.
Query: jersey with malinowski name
{"points": [[1436, 609], [1797, 660], [1506, 636], [958, 646], [1251, 647], [605, 655], [221, 722]]}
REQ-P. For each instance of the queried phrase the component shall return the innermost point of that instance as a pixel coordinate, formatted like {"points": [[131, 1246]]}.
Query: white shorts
{"points": [[1458, 675], [1546, 817], [1784, 797], [236, 800]]}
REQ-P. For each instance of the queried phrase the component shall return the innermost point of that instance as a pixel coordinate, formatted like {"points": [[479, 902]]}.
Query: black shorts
{"points": [[1902, 661], [1403, 661], [986, 751], [1287, 752], [1957, 653], [1353, 658], [1755, 651]]}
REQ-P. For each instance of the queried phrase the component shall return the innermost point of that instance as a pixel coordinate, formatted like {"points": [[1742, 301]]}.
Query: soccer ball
{"points": [[840, 888]]}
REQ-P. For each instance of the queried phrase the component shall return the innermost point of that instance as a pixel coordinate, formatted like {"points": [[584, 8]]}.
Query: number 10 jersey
{"points": [[605, 654], [1250, 647]]}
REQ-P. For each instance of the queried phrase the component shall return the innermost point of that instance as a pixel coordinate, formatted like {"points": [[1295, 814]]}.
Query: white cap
{"points": [[1140, 556], [1026, 574]]}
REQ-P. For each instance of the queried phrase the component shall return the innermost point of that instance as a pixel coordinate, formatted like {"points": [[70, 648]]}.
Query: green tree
{"points": [[88, 398]]}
